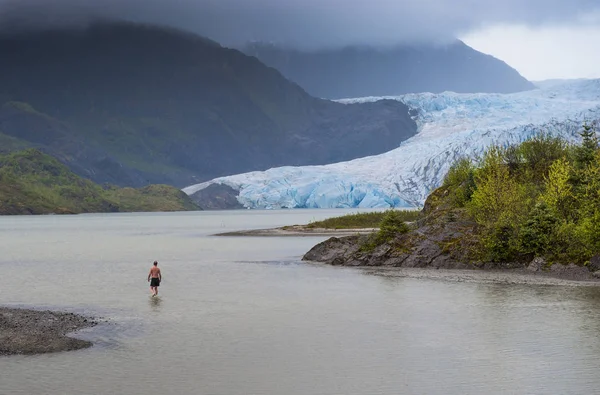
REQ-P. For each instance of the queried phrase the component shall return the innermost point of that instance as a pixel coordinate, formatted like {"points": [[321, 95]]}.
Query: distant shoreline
{"points": [[30, 332]]}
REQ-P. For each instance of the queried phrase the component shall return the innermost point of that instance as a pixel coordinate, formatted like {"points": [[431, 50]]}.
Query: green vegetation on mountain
{"points": [[32, 182], [537, 199], [10, 144], [131, 105]]}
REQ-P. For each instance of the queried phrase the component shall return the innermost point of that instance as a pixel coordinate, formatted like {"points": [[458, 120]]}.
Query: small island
{"points": [[532, 207], [27, 332]]}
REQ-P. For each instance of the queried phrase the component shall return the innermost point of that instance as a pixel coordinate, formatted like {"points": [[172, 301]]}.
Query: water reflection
{"points": [[155, 303]]}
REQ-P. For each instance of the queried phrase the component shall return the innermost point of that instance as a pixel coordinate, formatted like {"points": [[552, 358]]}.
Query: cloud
{"points": [[543, 53], [310, 23]]}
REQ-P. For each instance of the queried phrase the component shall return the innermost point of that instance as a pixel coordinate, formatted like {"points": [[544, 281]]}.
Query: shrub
{"points": [[537, 233], [460, 180], [499, 243], [538, 153], [498, 197], [392, 225]]}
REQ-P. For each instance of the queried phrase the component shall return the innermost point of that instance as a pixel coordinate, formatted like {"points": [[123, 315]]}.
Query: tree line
{"points": [[540, 198]]}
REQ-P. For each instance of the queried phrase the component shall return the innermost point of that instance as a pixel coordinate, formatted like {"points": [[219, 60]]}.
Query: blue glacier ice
{"points": [[451, 125]]}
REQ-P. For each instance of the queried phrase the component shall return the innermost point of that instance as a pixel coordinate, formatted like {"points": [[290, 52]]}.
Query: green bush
{"points": [[537, 233], [538, 198], [392, 225], [460, 180], [499, 242], [538, 153]]}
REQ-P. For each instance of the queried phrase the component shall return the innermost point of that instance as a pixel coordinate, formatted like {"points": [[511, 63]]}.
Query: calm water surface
{"points": [[245, 316]]}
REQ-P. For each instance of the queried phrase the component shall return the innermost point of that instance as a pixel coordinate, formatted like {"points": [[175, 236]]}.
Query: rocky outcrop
{"points": [[335, 250], [423, 247], [443, 243], [594, 265], [217, 197]]}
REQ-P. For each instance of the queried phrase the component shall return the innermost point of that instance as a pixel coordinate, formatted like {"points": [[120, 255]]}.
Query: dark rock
{"points": [[396, 261], [594, 265], [335, 250], [537, 264], [570, 271], [217, 197], [379, 256]]}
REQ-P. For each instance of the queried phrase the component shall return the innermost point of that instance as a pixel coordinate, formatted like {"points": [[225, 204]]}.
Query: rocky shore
{"points": [[427, 258], [29, 332], [438, 243]]}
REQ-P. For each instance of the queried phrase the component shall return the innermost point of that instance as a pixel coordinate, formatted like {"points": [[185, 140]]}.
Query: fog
{"points": [[309, 23]]}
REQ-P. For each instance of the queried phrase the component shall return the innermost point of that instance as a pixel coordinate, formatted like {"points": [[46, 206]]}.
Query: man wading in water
{"points": [[155, 278]]}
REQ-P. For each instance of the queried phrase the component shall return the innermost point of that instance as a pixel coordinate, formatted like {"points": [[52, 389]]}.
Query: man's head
{"points": [[155, 263]]}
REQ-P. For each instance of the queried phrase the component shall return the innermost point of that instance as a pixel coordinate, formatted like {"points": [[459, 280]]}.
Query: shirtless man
{"points": [[155, 277]]}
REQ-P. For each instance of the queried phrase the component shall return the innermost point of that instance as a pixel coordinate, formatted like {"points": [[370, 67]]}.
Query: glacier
{"points": [[450, 126]]}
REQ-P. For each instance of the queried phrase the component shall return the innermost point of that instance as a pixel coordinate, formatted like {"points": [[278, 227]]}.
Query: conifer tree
{"points": [[585, 152]]}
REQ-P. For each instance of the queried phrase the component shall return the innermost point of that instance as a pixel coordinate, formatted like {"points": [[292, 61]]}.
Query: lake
{"points": [[242, 315]]}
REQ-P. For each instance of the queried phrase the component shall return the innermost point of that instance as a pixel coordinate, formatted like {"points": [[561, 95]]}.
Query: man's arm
{"points": [[159, 275], [149, 275]]}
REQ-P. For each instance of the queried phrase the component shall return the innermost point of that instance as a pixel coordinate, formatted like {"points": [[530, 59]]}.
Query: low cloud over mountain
{"points": [[309, 23]]}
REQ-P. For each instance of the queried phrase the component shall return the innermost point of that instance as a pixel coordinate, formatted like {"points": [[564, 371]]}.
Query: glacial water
{"points": [[242, 315]]}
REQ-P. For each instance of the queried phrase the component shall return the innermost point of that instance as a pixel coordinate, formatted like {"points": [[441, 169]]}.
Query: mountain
{"points": [[451, 126], [134, 104], [367, 71], [32, 182]]}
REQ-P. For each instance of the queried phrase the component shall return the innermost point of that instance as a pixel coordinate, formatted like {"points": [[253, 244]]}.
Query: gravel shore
{"points": [[29, 332]]}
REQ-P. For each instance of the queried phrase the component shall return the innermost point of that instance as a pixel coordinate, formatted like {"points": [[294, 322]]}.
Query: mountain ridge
{"points": [[136, 104], [358, 71]]}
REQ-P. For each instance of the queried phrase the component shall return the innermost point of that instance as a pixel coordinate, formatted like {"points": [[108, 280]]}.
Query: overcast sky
{"points": [[540, 38]]}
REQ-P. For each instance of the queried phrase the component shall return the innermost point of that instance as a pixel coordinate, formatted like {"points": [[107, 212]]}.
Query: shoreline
{"points": [[298, 230], [30, 332], [569, 275], [479, 276]]}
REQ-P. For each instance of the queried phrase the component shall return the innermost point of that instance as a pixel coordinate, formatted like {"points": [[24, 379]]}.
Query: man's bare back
{"points": [[154, 272]]}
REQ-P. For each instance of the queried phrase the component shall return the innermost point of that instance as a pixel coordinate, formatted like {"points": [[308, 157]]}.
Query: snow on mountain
{"points": [[451, 125]]}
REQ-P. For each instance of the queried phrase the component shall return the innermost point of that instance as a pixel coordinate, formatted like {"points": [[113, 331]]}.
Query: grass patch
{"points": [[363, 220]]}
